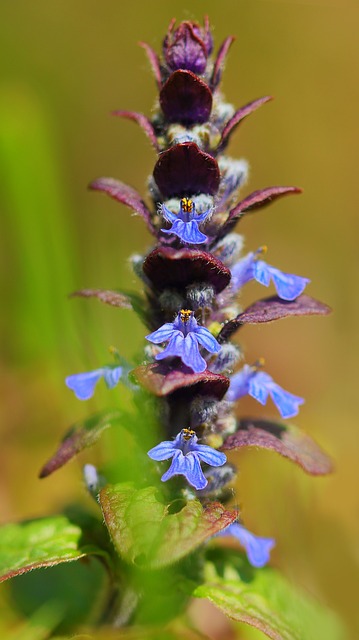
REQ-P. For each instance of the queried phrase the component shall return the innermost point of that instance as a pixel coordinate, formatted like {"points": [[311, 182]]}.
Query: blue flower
{"points": [[288, 286], [183, 336], [83, 384], [258, 549], [185, 224], [260, 385], [186, 457]]}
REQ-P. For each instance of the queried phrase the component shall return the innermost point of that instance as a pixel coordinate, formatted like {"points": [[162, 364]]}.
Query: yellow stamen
{"points": [[259, 363], [185, 315], [187, 434], [187, 205]]}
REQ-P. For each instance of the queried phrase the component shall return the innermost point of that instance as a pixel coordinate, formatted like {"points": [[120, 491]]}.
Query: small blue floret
{"points": [[288, 285], [184, 336], [260, 385], [83, 384], [257, 549], [186, 457], [185, 224]]}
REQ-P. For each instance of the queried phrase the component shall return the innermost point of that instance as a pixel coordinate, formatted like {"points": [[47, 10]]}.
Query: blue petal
{"points": [[163, 451], [239, 384], [190, 354], [162, 334], [177, 466], [286, 403], [209, 455], [83, 384], [193, 471], [258, 549], [168, 215], [261, 272], [242, 271], [112, 376], [288, 286], [206, 339], [259, 386], [201, 217], [174, 347]]}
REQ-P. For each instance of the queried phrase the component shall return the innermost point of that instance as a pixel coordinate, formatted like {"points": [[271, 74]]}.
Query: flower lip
{"points": [[257, 548], [187, 456], [185, 224], [259, 385], [83, 384], [288, 286], [184, 337]]}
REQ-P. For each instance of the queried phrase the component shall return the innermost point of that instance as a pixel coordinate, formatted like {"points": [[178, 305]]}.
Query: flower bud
{"points": [[188, 47]]}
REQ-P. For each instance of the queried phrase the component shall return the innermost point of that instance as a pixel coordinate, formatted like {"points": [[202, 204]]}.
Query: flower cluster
{"points": [[193, 276]]}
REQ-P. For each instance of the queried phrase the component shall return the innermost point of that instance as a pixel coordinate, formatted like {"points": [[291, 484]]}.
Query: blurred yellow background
{"points": [[64, 67]]}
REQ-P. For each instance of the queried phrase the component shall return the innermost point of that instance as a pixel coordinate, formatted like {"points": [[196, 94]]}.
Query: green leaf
{"points": [[147, 532], [89, 580], [265, 600], [176, 631], [80, 436], [41, 543]]}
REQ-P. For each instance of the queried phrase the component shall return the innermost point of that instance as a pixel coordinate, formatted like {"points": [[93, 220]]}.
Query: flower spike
{"points": [[191, 275], [187, 456]]}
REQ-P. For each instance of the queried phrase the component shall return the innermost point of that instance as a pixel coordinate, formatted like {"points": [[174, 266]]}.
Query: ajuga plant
{"points": [[168, 501]]}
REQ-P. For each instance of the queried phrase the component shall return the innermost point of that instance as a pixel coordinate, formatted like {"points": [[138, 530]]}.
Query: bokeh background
{"points": [[64, 67]]}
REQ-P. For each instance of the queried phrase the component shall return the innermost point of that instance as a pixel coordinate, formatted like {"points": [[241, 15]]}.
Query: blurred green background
{"points": [[64, 67]]}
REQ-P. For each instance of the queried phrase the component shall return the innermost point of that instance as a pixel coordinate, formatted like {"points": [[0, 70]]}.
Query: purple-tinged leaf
{"points": [[256, 200], [286, 439], [145, 532], [40, 543], [274, 308], [220, 60], [242, 113], [113, 298], [154, 62], [160, 380], [81, 435], [126, 195], [143, 121], [167, 267], [185, 98], [184, 170]]}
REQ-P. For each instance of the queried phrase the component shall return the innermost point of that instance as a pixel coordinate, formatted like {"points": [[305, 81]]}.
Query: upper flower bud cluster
{"points": [[188, 47]]}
